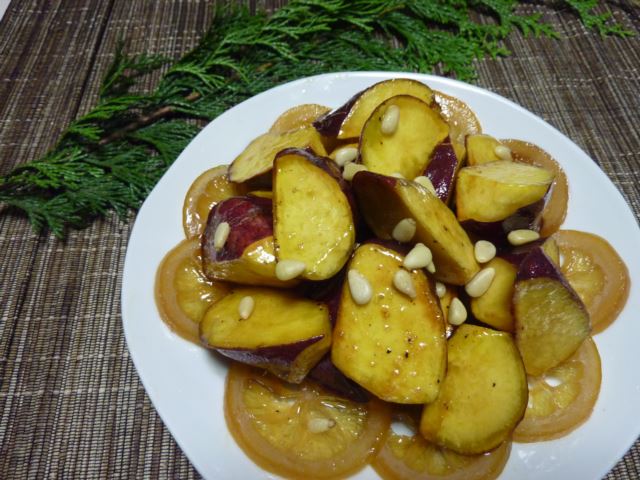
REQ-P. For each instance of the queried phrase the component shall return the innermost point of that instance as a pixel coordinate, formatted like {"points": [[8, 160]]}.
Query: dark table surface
{"points": [[71, 402]]}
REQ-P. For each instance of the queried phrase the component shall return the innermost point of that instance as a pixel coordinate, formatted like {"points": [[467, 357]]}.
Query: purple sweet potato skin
{"points": [[330, 123], [442, 170], [250, 219], [277, 355], [538, 265], [328, 375]]}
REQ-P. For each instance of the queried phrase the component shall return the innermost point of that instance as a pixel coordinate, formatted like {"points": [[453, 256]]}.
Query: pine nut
{"points": [[350, 169], [441, 289], [426, 183], [480, 283], [457, 312], [320, 425], [520, 237], [419, 257], [221, 234], [484, 251], [390, 119], [397, 175], [345, 155], [503, 152], [431, 268], [245, 307], [405, 230], [404, 283], [289, 269], [360, 288]]}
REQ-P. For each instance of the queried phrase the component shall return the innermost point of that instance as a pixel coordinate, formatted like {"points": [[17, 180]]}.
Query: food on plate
{"points": [[442, 170], [407, 455], [257, 158], [494, 307], [313, 216], [388, 258], [386, 201], [295, 333], [461, 119], [563, 398], [301, 431], [205, 192], [183, 293], [400, 136], [555, 209], [483, 396], [392, 344], [597, 274], [492, 192], [483, 148], [237, 243], [298, 117], [551, 322], [348, 120]]}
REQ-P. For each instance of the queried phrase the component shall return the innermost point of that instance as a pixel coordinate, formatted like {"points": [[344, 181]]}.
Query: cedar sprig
{"points": [[110, 158]]}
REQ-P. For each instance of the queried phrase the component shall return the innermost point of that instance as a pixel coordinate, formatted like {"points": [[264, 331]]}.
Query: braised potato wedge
{"points": [[313, 220], [405, 143], [385, 201], [481, 148], [298, 117], [348, 120], [493, 191], [461, 119], [494, 306], [550, 319], [257, 158], [281, 333], [248, 254], [394, 346], [483, 396]]}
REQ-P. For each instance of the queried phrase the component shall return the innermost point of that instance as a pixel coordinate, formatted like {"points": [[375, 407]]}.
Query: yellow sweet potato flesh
{"points": [[481, 149], [494, 306], [494, 191], [279, 323], [256, 266], [550, 321], [313, 221], [408, 149], [483, 396], [258, 157], [436, 225], [372, 97], [393, 346]]}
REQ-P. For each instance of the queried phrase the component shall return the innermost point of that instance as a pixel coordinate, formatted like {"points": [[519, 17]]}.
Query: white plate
{"points": [[186, 383]]}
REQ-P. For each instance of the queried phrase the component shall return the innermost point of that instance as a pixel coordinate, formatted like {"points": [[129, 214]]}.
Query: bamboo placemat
{"points": [[71, 403]]}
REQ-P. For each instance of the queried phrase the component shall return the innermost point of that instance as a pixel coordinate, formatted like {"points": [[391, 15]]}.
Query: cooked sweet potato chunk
{"points": [[247, 256], [483, 396], [493, 191], [494, 306], [405, 148], [257, 158], [313, 220], [442, 170], [281, 333], [550, 319], [348, 120], [481, 148], [385, 201], [394, 346], [298, 117]]}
